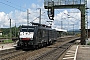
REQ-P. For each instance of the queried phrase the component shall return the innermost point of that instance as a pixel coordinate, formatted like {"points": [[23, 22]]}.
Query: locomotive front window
{"points": [[30, 30], [23, 30], [27, 30]]}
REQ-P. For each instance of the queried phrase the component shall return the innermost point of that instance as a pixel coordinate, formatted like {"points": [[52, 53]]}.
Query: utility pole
{"points": [[61, 25], [10, 30], [40, 16], [15, 30], [86, 18], [28, 17], [73, 29]]}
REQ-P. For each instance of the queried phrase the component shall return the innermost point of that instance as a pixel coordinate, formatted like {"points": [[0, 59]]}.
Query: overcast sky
{"points": [[16, 10]]}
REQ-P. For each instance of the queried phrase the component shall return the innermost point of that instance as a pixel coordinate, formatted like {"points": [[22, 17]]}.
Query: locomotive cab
{"points": [[26, 36]]}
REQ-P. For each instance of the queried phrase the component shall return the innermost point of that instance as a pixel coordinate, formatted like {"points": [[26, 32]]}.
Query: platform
{"points": [[78, 52], [6, 46], [83, 52]]}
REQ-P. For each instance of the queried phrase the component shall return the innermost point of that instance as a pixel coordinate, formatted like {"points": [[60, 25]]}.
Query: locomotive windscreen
{"points": [[27, 30]]}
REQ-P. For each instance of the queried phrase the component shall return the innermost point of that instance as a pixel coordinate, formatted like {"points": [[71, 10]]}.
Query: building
{"points": [[0, 33], [62, 32]]}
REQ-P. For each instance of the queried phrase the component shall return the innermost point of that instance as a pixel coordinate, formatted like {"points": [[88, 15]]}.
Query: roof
{"points": [[38, 24], [62, 30], [0, 31]]}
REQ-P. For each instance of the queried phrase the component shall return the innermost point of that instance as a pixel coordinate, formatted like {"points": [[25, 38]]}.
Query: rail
{"points": [[54, 54]]}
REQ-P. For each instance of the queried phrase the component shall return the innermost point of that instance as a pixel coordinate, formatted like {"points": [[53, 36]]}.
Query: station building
{"points": [[60, 31]]}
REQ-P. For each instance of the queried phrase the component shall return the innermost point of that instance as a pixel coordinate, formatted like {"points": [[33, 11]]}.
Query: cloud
{"points": [[39, 0], [16, 16], [21, 17], [3, 19], [66, 19], [88, 3], [33, 5]]}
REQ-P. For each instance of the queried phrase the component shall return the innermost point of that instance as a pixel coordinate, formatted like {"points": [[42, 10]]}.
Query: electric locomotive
{"points": [[37, 35]]}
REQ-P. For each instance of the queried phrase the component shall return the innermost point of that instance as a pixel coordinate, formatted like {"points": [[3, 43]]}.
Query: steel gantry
{"points": [[63, 4]]}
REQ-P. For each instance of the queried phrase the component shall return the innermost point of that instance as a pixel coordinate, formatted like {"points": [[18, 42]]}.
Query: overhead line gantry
{"points": [[64, 4]]}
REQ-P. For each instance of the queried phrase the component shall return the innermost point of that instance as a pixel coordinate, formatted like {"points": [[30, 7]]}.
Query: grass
{"points": [[8, 41]]}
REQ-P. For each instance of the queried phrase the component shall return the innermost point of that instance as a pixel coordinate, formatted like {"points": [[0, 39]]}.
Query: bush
{"points": [[8, 41]]}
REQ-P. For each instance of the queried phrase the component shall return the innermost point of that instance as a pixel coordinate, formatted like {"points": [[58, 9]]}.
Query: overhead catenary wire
{"points": [[11, 6], [68, 14], [36, 17], [11, 3], [15, 4]]}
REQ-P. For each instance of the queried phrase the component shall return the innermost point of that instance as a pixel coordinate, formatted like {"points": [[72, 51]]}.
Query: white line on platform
{"points": [[76, 53], [70, 51], [69, 55], [68, 58]]}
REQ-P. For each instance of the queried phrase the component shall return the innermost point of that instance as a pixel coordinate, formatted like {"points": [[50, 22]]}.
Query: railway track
{"points": [[6, 51], [2, 40], [55, 53], [58, 47], [8, 54]]}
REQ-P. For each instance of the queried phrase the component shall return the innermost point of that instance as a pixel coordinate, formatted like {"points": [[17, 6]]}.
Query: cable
{"points": [[11, 2], [69, 16], [37, 17], [11, 6], [58, 11]]}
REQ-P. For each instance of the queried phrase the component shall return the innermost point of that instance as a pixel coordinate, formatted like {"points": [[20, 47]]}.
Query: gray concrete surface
{"points": [[83, 52], [6, 46]]}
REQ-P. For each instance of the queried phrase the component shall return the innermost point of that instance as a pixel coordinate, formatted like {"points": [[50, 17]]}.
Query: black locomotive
{"points": [[37, 35]]}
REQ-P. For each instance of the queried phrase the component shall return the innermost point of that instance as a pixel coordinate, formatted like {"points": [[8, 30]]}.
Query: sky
{"points": [[16, 10]]}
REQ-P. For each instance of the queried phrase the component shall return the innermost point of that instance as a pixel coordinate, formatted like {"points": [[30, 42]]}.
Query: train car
{"points": [[35, 36]]}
